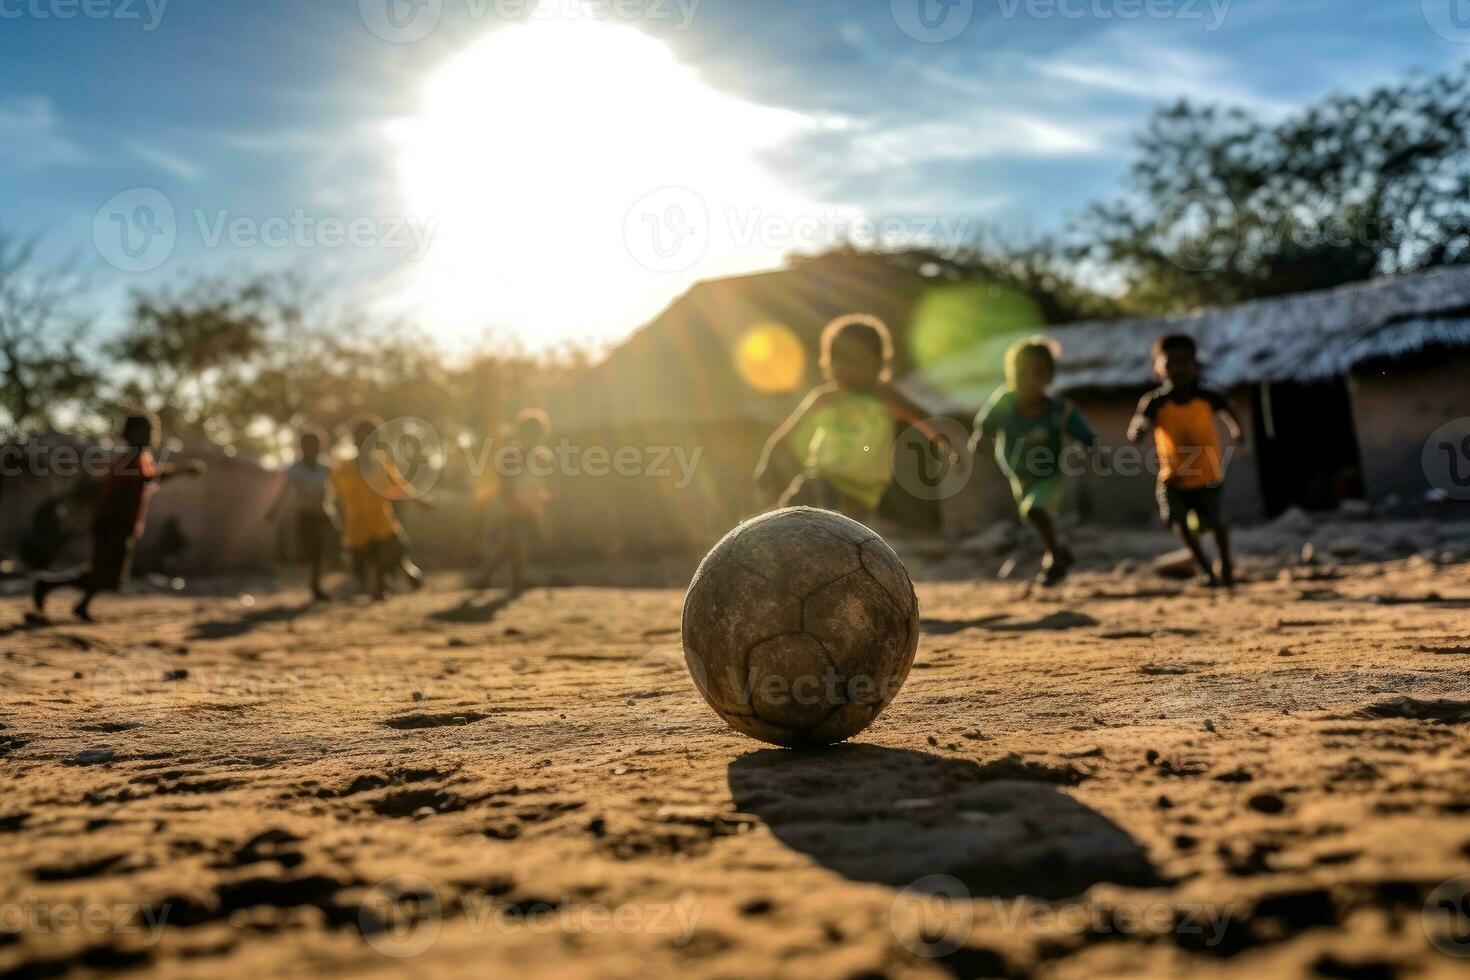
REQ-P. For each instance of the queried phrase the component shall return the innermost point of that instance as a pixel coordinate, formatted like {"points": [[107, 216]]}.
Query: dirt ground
{"points": [[1124, 777]]}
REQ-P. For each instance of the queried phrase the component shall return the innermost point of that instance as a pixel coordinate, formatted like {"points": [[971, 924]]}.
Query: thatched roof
{"points": [[1304, 337], [680, 369]]}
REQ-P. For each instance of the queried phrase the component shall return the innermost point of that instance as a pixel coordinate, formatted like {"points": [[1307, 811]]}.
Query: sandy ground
{"points": [[1123, 777]]}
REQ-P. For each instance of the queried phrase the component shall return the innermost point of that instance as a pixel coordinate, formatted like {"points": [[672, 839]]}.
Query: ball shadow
{"points": [[896, 817]]}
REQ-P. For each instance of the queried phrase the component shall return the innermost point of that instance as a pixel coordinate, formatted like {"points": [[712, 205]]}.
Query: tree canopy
{"points": [[1223, 206]]}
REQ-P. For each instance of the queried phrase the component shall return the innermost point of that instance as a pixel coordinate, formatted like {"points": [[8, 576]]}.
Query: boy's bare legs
{"points": [[486, 576], [1192, 542], [83, 609], [517, 568], [76, 580], [1058, 559], [510, 546], [317, 592], [509, 552], [1222, 544], [412, 572], [376, 581]]}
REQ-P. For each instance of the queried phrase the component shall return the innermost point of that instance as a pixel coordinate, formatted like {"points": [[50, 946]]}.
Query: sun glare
{"points": [[770, 358], [534, 150]]}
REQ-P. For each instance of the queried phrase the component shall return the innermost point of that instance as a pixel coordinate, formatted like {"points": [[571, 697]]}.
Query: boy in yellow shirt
{"points": [[367, 485]]}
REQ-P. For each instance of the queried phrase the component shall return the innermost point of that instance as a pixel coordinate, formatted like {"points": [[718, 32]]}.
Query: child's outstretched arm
{"points": [[1079, 430], [191, 467], [980, 440], [784, 430], [907, 411], [1143, 418], [1228, 416], [404, 490], [988, 423]]}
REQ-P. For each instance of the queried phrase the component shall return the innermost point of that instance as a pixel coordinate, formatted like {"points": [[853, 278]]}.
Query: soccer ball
{"points": [[800, 626]]}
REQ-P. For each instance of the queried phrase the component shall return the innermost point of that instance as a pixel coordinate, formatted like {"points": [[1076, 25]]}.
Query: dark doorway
{"points": [[1306, 446]]}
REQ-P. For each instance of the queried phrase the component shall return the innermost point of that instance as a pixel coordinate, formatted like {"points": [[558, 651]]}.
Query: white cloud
{"points": [[1153, 73], [979, 134], [31, 134], [168, 162]]}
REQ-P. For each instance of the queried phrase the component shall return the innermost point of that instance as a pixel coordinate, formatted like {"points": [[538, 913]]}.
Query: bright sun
{"points": [[558, 159]]}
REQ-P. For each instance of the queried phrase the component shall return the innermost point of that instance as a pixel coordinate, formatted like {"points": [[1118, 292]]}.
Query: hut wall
{"points": [[1397, 408], [1123, 494], [221, 516], [26, 487], [1244, 503], [656, 511]]}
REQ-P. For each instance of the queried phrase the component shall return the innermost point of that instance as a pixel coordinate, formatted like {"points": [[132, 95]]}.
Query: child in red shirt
{"points": [[122, 508]]}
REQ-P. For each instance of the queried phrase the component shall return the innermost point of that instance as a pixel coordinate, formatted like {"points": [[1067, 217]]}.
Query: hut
{"points": [[210, 524], [1338, 391], [703, 385]]}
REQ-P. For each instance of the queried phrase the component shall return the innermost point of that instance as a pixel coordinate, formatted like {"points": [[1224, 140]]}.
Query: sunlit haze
{"points": [[551, 154]]}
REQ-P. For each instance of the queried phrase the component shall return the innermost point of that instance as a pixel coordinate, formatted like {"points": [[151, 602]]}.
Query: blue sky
{"points": [[1011, 112]]}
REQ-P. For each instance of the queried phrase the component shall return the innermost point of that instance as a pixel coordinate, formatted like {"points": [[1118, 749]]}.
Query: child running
{"points": [[303, 494], [845, 427], [1191, 466], [1028, 427], [513, 503], [367, 486], [122, 509]]}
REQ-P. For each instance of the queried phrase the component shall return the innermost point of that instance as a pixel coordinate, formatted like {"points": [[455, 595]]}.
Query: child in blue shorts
{"points": [[1028, 428]]}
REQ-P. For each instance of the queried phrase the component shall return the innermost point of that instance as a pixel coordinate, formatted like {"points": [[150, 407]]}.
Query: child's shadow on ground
{"points": [[474, 610], [228, 629], [897, 817], [1066, 619]]}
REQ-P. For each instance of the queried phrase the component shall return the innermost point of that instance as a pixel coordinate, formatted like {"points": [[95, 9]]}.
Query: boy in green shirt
{"points": [[1028, 428], [846, 426]]}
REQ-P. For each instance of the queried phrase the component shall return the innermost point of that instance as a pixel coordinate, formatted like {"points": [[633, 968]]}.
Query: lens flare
{"points": [[770, 358], [953, 320]]}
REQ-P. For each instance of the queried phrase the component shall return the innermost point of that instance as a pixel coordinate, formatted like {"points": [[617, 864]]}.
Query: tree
{"points": [[1039, 268], [41, 336], [246, 363], [1224, 207], [180, 349]]}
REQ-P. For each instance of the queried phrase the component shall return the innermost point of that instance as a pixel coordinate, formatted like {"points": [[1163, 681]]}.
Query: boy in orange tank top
{"points": [[1182, 416]]}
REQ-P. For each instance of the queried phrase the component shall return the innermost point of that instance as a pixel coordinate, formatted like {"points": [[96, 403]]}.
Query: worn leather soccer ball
{"points": [[800, 627]]}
